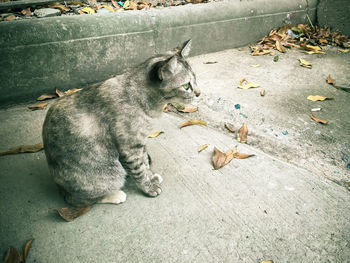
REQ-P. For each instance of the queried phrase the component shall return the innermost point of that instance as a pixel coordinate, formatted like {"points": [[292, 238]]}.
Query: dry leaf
{"points": [[202, 147], [305, 63], [154, 134], [220, 159], [323, 41], [88, 10], [210, 62], [24, 149], [60, 7], [343, 50], [71, 91], [47, 96], [229, 128], [330, 80], [193, 122], [242, 134], [169, 107], [314, 52], [13, 256], [317, 98], [60, 93], [262, 92], [10, 18], [71, 213], [26, 249], [266, 261], [243, 155], [280, 47], [115, 4], [255, 66], [38, 106], [242, 81], [260, 52], [188, 109], [26, 12], [249, 85], [318, 120]]}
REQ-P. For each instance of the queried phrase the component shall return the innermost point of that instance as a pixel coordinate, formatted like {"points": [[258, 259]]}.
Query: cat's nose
{"points": [[197, 92]]}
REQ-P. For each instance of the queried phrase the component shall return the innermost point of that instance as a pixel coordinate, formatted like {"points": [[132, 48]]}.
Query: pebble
{"points": [[102, 11], [285, 132], [237, 106], [47, 12]]}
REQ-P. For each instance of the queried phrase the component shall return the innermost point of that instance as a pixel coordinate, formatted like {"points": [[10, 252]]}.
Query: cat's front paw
{"points": [[152, 187]]}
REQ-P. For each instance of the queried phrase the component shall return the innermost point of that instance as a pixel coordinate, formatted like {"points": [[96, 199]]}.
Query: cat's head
{"points": [[177, 79]]}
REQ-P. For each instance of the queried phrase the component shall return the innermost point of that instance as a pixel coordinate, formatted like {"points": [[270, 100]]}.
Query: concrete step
{"points": [[39, 55]]}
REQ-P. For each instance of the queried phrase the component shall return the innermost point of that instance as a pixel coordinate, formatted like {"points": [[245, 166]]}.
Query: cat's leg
{"points": [[114, 198], [136, 162]]}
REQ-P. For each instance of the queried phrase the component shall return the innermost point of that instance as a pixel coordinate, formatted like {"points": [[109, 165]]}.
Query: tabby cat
{"points": [[95, 137]]}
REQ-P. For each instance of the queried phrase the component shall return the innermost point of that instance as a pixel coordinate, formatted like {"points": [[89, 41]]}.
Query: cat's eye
{"points": [[186, 86]]}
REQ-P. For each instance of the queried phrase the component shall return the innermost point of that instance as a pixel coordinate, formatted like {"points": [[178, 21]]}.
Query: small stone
{"points": [[102, 11], [285, 132], [47, 12], [237, 106]]}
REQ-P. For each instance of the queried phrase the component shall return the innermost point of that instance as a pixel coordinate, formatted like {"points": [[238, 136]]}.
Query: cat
{"points": [[95, 137]]}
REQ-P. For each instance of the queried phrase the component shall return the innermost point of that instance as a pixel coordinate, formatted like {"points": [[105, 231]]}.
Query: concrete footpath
{"points": [[260, 208]]}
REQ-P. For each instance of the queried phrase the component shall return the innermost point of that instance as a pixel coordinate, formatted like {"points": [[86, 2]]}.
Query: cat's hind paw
{"points": [[157, 178], [115, 198]]}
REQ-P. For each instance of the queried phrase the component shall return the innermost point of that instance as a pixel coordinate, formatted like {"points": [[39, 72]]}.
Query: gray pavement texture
{"points": [[289, 203]]}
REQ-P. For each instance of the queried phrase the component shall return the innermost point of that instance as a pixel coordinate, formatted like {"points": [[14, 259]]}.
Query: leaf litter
{"points": [[220, 159], [192, 122], [203, 147], [242, 134], [71, 213], [330, 80], [13, 256], [23, 149], [318, 119], [318, 98], [245, 84], [155, 134], [302, 36]]}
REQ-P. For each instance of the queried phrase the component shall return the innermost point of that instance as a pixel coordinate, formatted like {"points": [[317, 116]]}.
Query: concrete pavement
{"points": [[260, 208]]}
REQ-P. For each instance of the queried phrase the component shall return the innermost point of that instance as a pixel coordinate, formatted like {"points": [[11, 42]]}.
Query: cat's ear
{"points": [[185, 48], [168, 69]]}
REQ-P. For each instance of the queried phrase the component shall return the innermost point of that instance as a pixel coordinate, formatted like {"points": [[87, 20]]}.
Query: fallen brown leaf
{"points": [[229, 127], [154, 134], [304, 63], [115, 4], [10, 18], [24, 149], [260, 52], [169, 107], [47, 96], [220, 159], [262, 92], [13, 256], [26, 249], [330, 80], [318, 120], [189, 109], [266, 261], [193, 122], [60, 7], [201, 148], [60, 93], [318, 98], [242, 134], [26, 12], [243, 155], [280, 47], [71, 213], [71, 91], [38, 106]]}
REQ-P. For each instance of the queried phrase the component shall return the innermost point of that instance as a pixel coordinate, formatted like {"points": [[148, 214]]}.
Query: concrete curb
{"points": [[65, 52]]}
